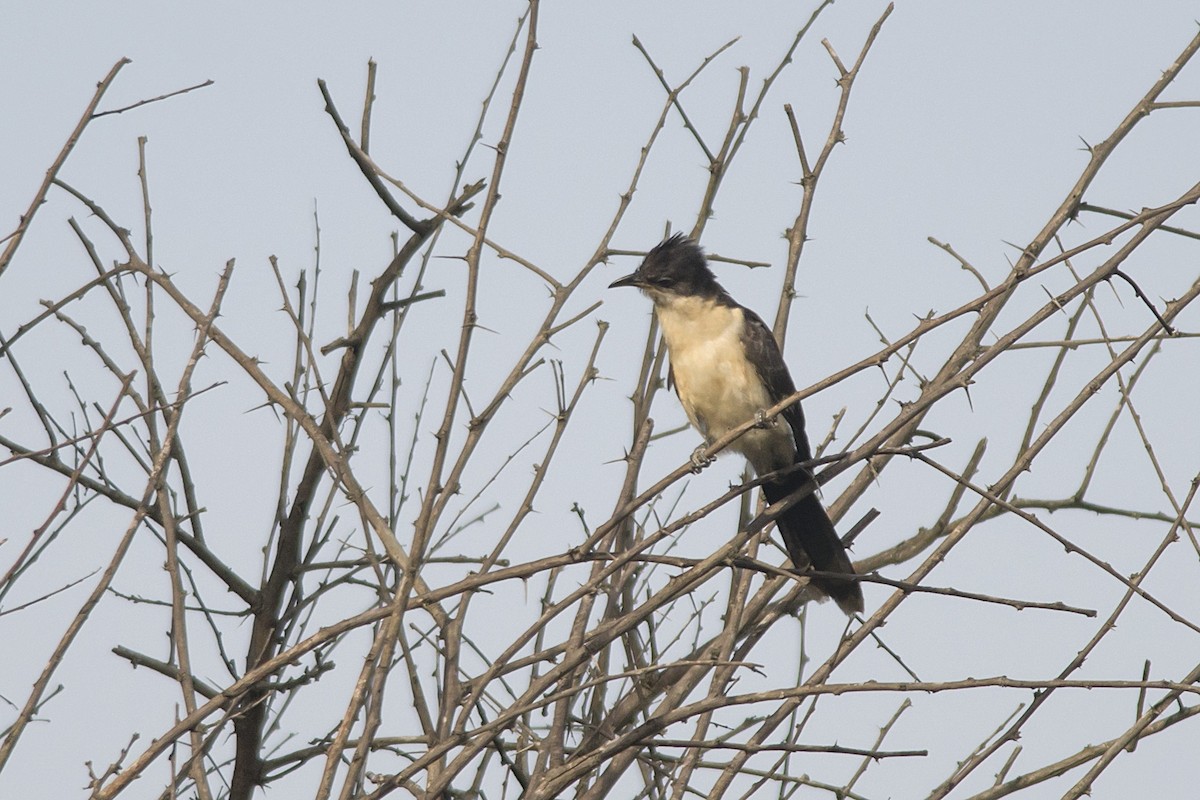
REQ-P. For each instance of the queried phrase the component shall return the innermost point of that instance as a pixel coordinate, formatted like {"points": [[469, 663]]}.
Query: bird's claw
{"points": [[761, 421], [699, 460]]}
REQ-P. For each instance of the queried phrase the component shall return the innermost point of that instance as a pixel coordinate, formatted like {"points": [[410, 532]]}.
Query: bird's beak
{"points": [[632, 279]]}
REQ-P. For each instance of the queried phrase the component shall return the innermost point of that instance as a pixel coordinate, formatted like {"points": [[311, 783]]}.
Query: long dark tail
{"points": [[809, 537]]}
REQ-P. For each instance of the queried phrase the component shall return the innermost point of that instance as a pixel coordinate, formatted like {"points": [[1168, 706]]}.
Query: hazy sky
{"points": [[968, 124]]}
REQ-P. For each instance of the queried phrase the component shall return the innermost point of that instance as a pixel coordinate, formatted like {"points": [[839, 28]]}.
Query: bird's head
{"points": [[674, 268]]}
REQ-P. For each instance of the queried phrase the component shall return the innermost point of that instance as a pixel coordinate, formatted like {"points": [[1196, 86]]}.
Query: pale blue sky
{"points": [[966, 124]]}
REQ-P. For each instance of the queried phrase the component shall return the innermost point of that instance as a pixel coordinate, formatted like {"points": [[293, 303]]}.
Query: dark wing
{"points": [[807, 532], [763, 352]]}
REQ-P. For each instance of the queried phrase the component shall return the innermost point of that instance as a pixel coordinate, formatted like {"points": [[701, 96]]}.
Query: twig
{"points": [[14, 239], [141, 103]]}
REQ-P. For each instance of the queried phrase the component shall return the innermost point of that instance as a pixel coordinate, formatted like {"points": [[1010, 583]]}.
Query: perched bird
{"points": [[727, 369]]}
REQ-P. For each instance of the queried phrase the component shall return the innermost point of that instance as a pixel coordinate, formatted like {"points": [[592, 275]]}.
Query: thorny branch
{"points": [[483, 631]]}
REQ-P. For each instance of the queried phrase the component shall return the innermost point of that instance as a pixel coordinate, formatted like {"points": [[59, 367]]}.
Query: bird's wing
{"points": [[763, 351]]}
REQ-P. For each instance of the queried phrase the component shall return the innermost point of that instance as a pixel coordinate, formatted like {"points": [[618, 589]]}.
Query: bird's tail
{"points": [[809, 536]]}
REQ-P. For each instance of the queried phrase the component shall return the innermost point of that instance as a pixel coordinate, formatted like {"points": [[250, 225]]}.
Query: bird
{"points": [[727, 369]]}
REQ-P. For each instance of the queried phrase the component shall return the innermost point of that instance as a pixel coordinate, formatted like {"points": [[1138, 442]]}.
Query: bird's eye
{"points": [[662, 280]]}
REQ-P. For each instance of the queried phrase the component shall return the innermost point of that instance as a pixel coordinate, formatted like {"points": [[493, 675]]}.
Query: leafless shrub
{"points": [[406, 620]]}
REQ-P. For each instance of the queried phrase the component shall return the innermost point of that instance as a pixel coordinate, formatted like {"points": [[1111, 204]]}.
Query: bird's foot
{"points": [[761, 421], [699, 459]]}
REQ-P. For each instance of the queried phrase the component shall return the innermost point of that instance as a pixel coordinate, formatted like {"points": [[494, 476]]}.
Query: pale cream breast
{"points": [[717, 386]]}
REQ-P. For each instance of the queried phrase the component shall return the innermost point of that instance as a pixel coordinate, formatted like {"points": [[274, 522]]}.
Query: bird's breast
{"points": [[717, 386]]}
